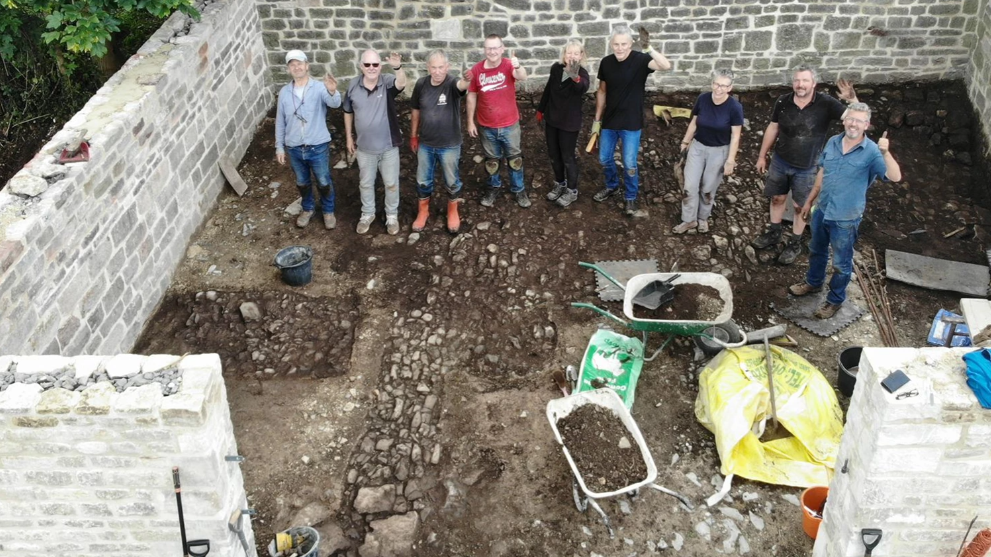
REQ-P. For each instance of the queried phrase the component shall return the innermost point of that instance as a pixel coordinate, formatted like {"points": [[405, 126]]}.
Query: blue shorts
{"points": [[783, 177]]}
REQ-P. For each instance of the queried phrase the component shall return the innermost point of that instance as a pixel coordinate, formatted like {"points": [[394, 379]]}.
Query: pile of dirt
{"points": [[603, 449], [692, 302]]}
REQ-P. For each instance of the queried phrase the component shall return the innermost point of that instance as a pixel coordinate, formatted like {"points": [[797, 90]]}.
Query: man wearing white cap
{"points": [[301, 130]]}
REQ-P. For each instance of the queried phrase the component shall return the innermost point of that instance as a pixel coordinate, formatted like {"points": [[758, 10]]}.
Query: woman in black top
{"points": [[561, 108]]}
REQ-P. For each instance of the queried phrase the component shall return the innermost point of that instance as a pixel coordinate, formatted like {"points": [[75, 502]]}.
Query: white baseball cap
{"points": [[295, 55]]}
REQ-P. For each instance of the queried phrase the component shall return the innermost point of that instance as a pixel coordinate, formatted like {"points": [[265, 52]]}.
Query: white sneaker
{"points": [[364, 223], [684, 227], [392, 225]]}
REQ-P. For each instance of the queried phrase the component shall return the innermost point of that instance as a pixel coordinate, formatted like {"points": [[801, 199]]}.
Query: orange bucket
{"points": [[813, 501]]}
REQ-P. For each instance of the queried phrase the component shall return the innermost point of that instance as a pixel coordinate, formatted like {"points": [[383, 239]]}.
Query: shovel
{"points": [[187, 547], [871, 537], [651, 296]]}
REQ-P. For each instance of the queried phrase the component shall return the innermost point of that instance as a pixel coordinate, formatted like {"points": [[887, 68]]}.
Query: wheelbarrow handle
{"points": [[600, 311], [597, 269]]}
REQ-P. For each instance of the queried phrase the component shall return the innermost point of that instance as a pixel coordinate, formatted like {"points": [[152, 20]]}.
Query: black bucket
{"points": [[849, 365], [296, 264]]}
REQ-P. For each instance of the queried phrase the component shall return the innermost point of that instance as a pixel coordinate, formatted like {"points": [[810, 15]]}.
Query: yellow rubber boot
{"points": [[421, 215], [453, 219]]}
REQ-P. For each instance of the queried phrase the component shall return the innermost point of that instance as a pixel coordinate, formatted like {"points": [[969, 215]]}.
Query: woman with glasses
{"points": [[710, 145], [560, 109]]}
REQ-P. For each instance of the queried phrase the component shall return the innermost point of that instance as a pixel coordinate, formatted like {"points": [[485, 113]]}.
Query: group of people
{"points": [[827, 180]]}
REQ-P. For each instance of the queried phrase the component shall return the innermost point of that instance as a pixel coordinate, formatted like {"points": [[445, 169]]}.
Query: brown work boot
{"points": [[304, 218], [802, 288], [423, 212], [826, 311], [453, 219]]}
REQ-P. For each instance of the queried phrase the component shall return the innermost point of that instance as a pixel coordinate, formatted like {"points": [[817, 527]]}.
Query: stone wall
{"points": [[88, 473], [979, 70], [88, 249], [917, 468], [865, 40]]}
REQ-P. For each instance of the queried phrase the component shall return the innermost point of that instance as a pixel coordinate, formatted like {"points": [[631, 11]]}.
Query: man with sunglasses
{"points": [[301, 129], [492, 99], [849, 164], [799, 123], [370, 110]]}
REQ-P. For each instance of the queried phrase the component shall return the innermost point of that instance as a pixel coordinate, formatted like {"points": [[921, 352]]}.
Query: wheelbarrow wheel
{"points": [[728, 332]]}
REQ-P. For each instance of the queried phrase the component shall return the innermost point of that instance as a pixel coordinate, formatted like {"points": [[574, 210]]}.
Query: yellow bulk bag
{"points": [[734, 403]]}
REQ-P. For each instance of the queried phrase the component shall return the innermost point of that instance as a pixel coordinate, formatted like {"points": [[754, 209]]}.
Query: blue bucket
{"points": [[296, 264]]}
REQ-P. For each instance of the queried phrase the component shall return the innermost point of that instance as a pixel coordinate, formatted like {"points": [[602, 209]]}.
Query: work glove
{"points": [[540, 117], [571, 70], [596, 126], [414, 144], [644, 40]]}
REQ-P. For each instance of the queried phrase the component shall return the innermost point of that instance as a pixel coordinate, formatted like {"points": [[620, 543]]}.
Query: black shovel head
{"points": [[654, 295]]}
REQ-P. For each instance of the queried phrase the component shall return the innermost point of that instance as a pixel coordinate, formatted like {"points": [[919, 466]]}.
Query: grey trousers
{"points": [[368, 167], [703, 174]]}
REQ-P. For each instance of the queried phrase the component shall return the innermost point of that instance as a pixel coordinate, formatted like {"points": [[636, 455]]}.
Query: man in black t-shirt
{"points": [[436, 104], [799, 122], [619, 109]]}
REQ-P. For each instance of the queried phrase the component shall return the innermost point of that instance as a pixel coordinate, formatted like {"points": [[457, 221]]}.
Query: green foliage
{"points": [[78, 26]]}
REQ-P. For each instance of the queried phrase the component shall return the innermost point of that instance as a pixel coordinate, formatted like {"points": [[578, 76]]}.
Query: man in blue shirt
{"points": [[849, 164], [301, 129]]}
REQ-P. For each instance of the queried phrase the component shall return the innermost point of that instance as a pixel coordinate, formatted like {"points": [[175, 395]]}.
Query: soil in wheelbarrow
{"points": [[605, 453], [692, 302]]}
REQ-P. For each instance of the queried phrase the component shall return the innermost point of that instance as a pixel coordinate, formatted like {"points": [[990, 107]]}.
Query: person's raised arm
{"points": [[519, 72], [892, 171], [396, 62], [657, 60]]}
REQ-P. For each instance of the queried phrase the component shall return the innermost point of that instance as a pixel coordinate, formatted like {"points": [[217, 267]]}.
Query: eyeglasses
{"points": [[492, 48], [853, 120], [721, 86], [907, 394], [371, 64]]}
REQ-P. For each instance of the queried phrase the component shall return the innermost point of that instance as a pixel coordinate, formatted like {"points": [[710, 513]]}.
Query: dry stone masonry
{"points": [[88, 249], [865, 40], [89, 473], [917, 468]]}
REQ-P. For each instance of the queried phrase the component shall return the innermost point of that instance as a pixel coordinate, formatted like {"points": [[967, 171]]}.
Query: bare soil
{"points": [[427, 365], [595, 438]]}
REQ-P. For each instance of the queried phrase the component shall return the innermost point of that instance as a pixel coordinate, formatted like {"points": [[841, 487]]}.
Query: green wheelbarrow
{"points": [[720, 331]]}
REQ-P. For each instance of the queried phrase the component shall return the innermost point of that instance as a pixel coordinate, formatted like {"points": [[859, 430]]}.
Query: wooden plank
{"points": [[937, 274], [233, 178]]}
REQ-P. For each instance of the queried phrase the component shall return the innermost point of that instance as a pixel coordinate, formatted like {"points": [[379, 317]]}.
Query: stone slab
{"points": [[937, 274]]}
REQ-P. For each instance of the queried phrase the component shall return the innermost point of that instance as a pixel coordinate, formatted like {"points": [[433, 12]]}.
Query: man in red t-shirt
{"points": [[492, 98]]}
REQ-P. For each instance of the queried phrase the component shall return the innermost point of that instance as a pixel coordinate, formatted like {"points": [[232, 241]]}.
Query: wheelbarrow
{"points": [[673, 328], [584, 496]]}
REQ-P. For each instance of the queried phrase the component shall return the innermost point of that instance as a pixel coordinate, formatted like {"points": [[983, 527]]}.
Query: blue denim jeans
{"points": [[631, 145], [427, 159], [315, 158], [498, 143], [841, 235]]}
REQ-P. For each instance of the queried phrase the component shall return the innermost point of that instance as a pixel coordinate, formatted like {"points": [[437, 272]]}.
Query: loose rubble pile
{"points": [[267, 337], [169, 378]]}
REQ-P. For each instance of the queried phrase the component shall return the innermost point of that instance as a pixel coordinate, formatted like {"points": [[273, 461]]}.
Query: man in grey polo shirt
{"points": [[370, 109]]}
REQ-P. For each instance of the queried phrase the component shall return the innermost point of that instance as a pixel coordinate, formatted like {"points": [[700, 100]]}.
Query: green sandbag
{"points": [[614, 361]]}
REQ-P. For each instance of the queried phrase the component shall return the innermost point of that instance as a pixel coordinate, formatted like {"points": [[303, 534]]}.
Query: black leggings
{"points": [[561, 146]]}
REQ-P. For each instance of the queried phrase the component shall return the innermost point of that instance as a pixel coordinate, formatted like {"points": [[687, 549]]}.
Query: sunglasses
{"points": [[370, 64]]}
